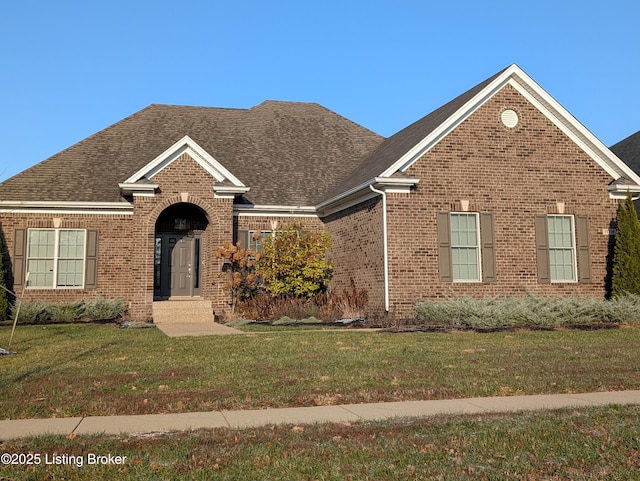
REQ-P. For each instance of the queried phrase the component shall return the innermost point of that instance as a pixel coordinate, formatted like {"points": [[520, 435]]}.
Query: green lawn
{"points": [[573, 445], [63, 370], [85, 369]]}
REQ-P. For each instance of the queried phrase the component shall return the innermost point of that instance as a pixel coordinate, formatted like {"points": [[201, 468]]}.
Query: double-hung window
{"points": [[466, 247], [56, 258], [563, 248]]}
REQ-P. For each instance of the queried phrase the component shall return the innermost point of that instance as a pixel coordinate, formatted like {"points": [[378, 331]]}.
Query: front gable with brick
{"points": [[499, 192]]}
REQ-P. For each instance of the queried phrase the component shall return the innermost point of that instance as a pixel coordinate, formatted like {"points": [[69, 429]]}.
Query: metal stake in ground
{"points": [[15, 318]]}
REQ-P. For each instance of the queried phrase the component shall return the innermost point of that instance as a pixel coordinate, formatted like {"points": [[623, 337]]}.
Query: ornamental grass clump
{"points": [[528, 312]]}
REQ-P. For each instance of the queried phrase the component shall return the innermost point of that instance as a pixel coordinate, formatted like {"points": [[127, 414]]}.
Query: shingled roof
{"points": [[394, 147], [628, 150], [288, 153]]}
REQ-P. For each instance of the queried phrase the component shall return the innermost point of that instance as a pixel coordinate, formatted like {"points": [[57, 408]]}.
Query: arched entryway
{"points": [[178, 256]]}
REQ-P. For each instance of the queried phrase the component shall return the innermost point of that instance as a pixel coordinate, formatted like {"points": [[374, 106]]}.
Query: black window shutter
{"points": [[445, 266], [542, 249], [91, 261], [488, 247]]}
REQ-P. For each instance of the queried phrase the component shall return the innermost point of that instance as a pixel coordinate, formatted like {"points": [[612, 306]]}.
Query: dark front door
{"points": [[177, 268]]}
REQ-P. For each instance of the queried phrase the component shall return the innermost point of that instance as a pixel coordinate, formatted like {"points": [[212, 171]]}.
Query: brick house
{"points": [[499, 192]]}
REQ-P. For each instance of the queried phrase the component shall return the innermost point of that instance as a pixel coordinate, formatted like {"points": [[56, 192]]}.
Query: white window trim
{"points": [[56, 246], [574, 256], [478, 248]]}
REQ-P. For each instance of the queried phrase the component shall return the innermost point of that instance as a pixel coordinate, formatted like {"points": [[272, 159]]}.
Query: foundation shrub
{"points": [[326, 306], [293, 262], [77, 311], [528, 312], [104, 309]]}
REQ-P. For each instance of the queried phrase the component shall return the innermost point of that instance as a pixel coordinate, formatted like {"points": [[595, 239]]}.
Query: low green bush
{"points": [[40, 312], [528, 312]]}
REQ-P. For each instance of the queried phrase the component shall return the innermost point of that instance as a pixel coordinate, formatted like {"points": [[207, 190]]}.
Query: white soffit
{"points": [[55, 207], [546, 104], [189, 146]]}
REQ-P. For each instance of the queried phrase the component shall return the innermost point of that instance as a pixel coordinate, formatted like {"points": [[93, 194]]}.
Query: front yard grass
{"points": [[89, 369], [571, 444]]}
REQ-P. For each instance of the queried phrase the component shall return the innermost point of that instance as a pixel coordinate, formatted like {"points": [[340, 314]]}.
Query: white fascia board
{"points": [[407, 160], [362, 192], [347, 202], [348, 193], [274, 210], [138, 189], [191, 147], [571, 127], [228, 191], [53, 207], [396, 185], [620, 191], [557, 114]]}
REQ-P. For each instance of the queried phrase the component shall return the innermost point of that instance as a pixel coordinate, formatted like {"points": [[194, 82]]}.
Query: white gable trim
{"points": [[274, 210], [185, 145], [557, 114], [54, 207]]}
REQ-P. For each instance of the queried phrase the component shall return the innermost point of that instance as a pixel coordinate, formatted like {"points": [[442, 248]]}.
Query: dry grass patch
{"points": [[571, 444], [72, 370]]}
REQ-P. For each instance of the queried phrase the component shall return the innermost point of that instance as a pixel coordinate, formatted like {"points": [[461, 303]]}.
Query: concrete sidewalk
{"points": [[149, 423]]}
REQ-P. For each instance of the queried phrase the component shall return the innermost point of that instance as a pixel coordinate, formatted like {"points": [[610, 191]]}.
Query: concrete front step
{"points": [[188, 317], [192, 310]]}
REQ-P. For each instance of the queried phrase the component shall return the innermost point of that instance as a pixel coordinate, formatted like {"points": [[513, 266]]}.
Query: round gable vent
{"points": [[509, 118]]}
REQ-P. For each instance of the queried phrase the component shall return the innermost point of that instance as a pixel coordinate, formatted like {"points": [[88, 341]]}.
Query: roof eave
{"points": [[363, 192], [620, 190], [127, 188], [229, 191]]}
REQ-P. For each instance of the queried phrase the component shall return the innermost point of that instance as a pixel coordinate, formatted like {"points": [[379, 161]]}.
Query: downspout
{"points": [[384, 246]]}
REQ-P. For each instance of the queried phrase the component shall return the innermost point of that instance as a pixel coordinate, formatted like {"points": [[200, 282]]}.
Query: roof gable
{"points": [[400, 151], [141, 180]]}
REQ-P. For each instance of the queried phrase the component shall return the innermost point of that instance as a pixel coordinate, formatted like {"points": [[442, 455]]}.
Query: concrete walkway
{"points": [[188, 317], [150, 423]]}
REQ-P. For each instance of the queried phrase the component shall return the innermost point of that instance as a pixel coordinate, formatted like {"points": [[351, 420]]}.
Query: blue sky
{"points": [[72, 68]]}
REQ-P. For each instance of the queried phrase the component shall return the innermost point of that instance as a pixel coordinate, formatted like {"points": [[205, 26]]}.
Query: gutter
{"points": [[384, 246]]}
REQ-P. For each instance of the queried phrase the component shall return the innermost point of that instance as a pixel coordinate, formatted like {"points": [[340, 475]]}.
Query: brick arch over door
{"points": [[211, 213], [219, 214], [178, 246]]}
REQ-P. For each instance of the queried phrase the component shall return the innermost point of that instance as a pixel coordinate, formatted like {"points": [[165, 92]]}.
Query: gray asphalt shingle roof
{"points": [[394, 147], [628, 150], [288, 153]]}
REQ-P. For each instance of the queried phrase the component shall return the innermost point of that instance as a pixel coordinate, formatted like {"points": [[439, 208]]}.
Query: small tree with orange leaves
{"points": [[238, 268]]}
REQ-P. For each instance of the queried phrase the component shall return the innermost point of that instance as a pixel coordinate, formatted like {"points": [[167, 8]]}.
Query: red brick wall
{"points": [[514, 173], [126, 242], [183, 176], [265, 223], [358, 250], [112, 276]]}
